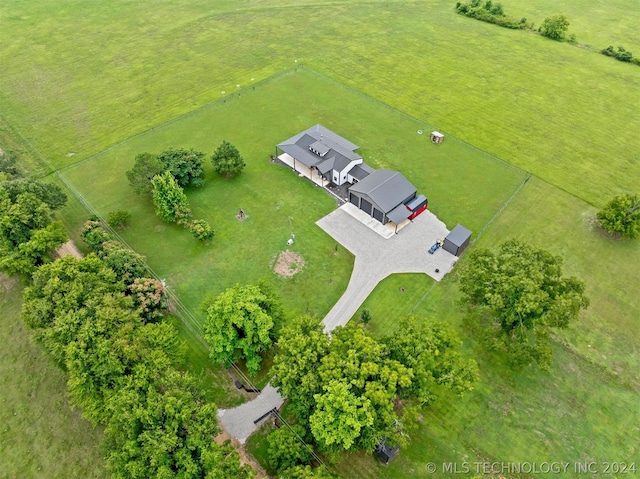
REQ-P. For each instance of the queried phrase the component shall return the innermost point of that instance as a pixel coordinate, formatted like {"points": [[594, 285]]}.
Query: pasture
{"points": [[87, 86], [462, 183], [564, 113], [41, 436]]}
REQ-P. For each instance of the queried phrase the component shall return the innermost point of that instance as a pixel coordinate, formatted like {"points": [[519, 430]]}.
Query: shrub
{"points": [[555, 27], [201, 230], [118, 219], [621, 54], [94, 235]]}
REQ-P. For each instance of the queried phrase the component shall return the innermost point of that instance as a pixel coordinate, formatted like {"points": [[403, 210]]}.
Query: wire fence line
{"points": [[187, 317]]}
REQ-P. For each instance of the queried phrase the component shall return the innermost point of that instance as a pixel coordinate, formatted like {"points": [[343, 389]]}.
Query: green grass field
{"points": [[81, 82], [462, 184], [40, 436], [495, 88]]}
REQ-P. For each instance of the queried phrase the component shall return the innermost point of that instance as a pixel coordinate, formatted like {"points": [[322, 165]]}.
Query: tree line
{"points": [[101, 319], [554, 26]]}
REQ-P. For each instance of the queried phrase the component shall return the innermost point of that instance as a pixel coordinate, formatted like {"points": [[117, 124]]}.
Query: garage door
{"points": [[377, 214], [353, 199], [366, 206]]}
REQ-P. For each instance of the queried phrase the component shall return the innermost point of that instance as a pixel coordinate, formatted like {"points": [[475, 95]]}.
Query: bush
{"points": [[94, 235], [621, 54], [286, 448], [201, 230], [555, 27], [118, 219]]}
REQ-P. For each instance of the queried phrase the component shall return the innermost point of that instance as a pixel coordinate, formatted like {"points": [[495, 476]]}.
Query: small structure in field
{"points": [[437, 137], [456, 241]]}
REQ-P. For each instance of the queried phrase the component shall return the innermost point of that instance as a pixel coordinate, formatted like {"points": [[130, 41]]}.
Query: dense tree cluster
{"points": [[241, 323], [345, 389], [522, 294], [186, 166], [102, 326], [28, 235]]}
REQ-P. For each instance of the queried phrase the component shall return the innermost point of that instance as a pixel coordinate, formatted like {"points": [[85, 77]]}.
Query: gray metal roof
{"points": [[386, 188], [458, 235], [399, 214], [361, 171], [325, 142]]}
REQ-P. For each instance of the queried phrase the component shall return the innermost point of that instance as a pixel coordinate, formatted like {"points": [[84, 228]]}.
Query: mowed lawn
{"points": [[462, 184], [587, 408], [40, 436], [79, 77]]}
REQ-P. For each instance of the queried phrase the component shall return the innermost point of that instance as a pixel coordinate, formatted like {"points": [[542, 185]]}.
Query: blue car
{"points": [[434, 248]]}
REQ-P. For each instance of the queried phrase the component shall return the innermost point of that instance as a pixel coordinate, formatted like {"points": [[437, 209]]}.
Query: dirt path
{"points": [[69, 248], [244, 457]]}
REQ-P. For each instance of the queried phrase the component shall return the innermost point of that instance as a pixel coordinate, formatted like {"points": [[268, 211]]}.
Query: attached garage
{"points": [[382, 195], [366, 206]]}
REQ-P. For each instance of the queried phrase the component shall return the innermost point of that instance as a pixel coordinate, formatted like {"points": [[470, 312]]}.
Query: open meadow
{"points": [[86, 86], [78, 78], [40, 436]]}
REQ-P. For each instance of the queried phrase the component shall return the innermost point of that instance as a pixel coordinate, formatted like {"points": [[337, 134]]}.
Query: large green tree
{"points": [[621, 216], [62, 297], [227, 160], [19, 217], [126, 263], [339, 416], [287, 447], [35, 252], [365, 376], [523, 291], [301, 346], [145, 167], [186, 166], [49, 193], [170, 201], [109, 347], [165, 429], [430, 350], [240, 324]]}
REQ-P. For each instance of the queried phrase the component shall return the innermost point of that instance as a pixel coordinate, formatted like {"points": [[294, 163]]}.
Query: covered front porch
{"points": [[303, 170]]}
